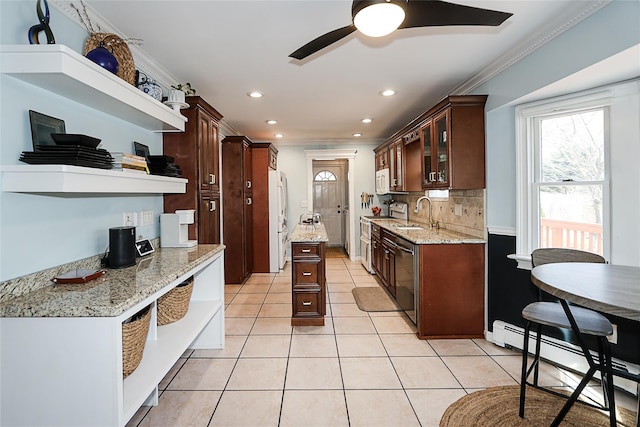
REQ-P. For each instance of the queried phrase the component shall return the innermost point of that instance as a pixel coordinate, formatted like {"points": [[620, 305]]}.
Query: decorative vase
{"points": [[176, 97], [150, 87], [104, 58]]}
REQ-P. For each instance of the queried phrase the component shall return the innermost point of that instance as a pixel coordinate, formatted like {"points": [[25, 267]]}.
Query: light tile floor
{"points": [[360, 369]]}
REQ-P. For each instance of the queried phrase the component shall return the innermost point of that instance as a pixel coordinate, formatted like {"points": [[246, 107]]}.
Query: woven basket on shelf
{"points": [[174, 304], [134, 337], [119, 48]]}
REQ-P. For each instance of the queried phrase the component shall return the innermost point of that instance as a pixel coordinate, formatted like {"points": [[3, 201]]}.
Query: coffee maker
{"points": [[174, 229]]}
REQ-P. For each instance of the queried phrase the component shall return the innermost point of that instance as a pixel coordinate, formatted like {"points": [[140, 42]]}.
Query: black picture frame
{"points": [[42, 126], [141, 150]]}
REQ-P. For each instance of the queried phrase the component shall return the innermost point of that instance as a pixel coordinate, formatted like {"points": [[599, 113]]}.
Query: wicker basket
{"points": [[174, 304], [119, 48], [134, 337]]}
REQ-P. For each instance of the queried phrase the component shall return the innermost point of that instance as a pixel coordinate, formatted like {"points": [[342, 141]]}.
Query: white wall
{"points": [[293, 161], [42, 231]]}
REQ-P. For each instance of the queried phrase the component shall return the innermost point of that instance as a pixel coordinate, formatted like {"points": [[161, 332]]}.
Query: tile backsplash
{"points": [[472, 203]]}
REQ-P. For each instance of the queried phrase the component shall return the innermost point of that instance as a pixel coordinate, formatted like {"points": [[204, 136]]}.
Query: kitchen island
{"points": [[308, 274], [62, 345], [436, 276]]}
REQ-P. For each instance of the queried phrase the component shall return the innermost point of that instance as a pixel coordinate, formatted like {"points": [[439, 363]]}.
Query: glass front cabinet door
{"points": [[395, 163], [436, 142]]}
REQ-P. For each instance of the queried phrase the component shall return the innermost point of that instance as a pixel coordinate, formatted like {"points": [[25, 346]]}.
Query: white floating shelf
{"points": [[77, 179], [59, 69]]}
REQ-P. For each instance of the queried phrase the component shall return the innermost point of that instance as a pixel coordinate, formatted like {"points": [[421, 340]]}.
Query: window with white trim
{"points": [[563, 175]]}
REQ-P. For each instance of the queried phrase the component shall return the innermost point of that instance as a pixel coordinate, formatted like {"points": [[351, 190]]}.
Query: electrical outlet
{"points": [[127, 218], [458, 209], [613, 338]]}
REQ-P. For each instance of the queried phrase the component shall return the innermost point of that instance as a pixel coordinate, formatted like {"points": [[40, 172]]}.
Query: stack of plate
{"points": [[163, 165], [76, 155], [70, 149]]}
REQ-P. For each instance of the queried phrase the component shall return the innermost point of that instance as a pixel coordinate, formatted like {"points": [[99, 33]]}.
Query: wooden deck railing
{"points": [[573, 235]]}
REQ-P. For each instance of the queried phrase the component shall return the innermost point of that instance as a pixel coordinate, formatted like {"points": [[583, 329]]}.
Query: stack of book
{"points": [[127, 162]]}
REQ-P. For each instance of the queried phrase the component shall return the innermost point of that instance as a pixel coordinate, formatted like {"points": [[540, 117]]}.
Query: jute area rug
{"points": [[374, 299], [498, 407]]}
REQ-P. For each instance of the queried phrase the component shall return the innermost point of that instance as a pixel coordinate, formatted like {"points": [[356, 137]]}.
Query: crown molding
{"points": [[562, 23], [141, 59]]}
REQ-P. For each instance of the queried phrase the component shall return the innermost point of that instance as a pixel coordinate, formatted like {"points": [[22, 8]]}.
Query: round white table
{"points": [[607, 288]]}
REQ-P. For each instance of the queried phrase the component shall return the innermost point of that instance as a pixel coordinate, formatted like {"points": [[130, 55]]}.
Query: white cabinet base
{"points": [[68, 371]]}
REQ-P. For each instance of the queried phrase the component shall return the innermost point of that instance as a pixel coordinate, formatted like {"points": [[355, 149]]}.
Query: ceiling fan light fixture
{"points": [[377, 18]]}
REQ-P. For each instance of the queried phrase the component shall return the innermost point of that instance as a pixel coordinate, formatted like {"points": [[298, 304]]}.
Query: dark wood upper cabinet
{"points": [[196, 151], [444, 148], [454, 145]]}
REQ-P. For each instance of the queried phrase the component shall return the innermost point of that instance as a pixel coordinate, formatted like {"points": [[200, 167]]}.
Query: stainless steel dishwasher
{"points": [[407, 259]]}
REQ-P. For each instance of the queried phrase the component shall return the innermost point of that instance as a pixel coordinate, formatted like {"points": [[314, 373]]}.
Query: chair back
{"points": [[551, 255]]}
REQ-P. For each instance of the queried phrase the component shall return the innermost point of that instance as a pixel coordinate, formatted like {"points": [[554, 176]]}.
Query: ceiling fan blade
{"points": [[436, 13], [323, 41]]}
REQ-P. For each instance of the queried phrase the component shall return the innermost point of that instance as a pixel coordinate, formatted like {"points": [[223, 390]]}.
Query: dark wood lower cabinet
{"points": [[308, 284], [389, 265], [209, 215], [451, 299]]}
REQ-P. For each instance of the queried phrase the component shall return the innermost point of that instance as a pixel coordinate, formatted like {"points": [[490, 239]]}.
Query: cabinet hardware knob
{"points": [[306, 273], [249, 201], [212, 179], [212, 205], [248, 184], [306, 303], [305, 251]]}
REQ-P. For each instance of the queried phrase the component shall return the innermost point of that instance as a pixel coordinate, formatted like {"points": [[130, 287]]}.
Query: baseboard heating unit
{"points": [[558, 352]]}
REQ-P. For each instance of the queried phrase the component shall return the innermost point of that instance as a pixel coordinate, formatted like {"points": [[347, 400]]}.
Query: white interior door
{"points": [[329, 198]]}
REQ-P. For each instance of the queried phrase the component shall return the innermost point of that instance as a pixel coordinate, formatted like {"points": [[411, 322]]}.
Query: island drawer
{"points": [[307, 302], [303, 250], [305, 272]]}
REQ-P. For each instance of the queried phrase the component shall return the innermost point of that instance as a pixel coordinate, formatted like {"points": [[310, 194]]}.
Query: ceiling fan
{"points": [[378, 18]]}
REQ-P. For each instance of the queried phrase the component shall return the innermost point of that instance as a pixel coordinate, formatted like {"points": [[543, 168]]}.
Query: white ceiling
{"points": [[228, 48]]}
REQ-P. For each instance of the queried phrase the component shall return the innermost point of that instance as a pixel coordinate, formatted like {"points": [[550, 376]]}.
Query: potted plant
{"points": [[177, 93]]}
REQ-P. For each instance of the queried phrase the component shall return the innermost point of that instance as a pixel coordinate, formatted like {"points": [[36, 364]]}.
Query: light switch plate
{"points": [[458, 209]]}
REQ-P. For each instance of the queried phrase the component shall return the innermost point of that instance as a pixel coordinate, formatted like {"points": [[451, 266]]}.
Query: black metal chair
{"points": [[553, 314]]}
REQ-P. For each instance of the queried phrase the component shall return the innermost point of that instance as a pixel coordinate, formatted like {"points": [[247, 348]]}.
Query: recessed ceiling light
{"points": [[388, 92], [367, 120], [357, 134], [271, 122], [278, 135], [255, 94]]}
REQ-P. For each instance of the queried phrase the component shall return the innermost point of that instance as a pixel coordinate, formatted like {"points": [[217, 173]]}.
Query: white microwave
{"points": [[382, 181]]}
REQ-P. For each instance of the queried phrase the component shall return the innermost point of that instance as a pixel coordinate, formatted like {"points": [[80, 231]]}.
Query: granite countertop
{"points": [[116, 291], [309, 233], [425, 235]]}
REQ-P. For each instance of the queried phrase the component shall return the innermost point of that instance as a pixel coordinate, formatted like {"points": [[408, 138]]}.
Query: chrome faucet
{"points": [[430, 208]]}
